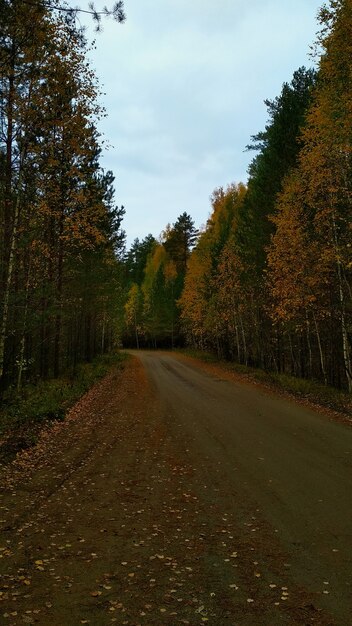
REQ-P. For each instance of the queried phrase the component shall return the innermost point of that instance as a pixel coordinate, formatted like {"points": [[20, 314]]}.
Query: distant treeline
{"points": [[268, 281]]}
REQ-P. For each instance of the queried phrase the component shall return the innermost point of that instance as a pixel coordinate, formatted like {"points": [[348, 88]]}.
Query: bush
{"points": [[23, 414]]}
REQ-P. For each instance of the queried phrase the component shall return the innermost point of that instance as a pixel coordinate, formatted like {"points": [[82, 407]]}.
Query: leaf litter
{"points": [[107, 520]]}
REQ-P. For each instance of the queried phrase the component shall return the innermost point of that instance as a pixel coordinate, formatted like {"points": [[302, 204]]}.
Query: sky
{"points": [[184, 84]]}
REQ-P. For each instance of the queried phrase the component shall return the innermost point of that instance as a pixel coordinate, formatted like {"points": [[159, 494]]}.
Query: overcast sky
{"points": [[184, 84]]}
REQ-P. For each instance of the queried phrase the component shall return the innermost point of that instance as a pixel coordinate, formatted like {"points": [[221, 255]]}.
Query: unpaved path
{"points": [[172, 496]]}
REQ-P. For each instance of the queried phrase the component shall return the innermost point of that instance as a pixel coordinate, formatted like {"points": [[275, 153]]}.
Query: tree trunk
{"points": [[10, 221], [237, 339], [102, 346], [309, 346], [58, 317], [321, 355], [136, 333], [9, 274], [245, 355], [345, 341], [24, 330]]}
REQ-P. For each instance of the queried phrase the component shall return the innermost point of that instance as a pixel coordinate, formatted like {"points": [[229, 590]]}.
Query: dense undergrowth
{"points": [[23, 415], [313, 391]]}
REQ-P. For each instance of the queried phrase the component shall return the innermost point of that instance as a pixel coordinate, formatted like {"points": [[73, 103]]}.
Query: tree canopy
{"points": [[60, 230]]}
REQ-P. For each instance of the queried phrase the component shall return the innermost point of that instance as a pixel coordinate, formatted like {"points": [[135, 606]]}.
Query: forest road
{"points": [[173, 494]]}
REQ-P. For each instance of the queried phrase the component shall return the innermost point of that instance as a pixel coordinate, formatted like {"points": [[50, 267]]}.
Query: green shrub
{"points": [[22, 415]]}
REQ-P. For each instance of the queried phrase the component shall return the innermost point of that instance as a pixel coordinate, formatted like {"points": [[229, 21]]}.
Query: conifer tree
{"points": [[57, 215], [325, 177]]}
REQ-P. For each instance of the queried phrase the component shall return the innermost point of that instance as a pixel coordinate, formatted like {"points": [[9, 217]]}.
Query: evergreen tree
{"points": [[136, 259], [59, 227], [179, 241], [278, 148]]}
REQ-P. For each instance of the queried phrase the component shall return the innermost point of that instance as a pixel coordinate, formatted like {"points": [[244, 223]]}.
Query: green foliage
{"points": [[155, 275], [179, 241], [24, 414], [158, 295], [61, 240], [278, 148], [136, 259]]}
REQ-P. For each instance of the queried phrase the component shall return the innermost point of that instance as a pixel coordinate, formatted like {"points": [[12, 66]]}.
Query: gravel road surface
{"points": [[174, 495]]}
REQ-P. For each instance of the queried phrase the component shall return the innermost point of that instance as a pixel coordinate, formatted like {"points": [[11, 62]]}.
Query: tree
{"points": [[196, 294], [179, 241], [69, 13], [159, 301], [232, 302], [324, 173], [199, 301], [133, 312], [23, 33], [136, 259], [278, 148], [297, 273], [58, 221], [159, 270]]}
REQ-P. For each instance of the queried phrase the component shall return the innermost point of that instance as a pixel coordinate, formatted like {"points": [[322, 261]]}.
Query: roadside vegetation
{"points": [[61, 239], [23, 415], [313, 391]]}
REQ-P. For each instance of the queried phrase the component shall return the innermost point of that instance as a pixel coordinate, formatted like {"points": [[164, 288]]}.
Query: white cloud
{"points": [[185, 83]]}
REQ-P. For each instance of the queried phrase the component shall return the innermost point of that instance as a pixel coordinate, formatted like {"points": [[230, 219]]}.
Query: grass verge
{"points": [[23, 415], [301, 388]]}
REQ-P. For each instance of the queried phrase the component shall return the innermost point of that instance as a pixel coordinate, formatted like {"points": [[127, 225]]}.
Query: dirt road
{"points": [[172, 495]]}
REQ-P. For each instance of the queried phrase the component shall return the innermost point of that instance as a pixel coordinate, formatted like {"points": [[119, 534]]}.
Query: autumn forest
{"points": [[266, 282]]}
